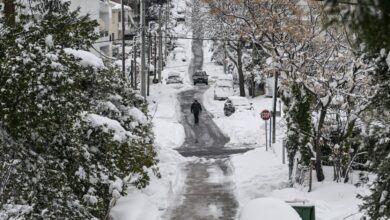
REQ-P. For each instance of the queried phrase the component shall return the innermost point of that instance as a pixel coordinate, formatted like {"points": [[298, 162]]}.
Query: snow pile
{"points": [[268, 209], [138, 115], [332, 201], [258, 173], [134, 208], [87, 58]]}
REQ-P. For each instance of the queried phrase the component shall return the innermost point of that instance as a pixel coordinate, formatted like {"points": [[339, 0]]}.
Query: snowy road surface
{"points": [[208, 193], [209, 186]]}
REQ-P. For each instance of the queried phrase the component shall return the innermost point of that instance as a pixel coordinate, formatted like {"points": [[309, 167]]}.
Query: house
{"points": [[1, 8], [116, 21], [99, 10]]}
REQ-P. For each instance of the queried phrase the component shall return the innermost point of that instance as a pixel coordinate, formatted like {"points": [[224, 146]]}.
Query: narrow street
{"points": [[209, 188]]}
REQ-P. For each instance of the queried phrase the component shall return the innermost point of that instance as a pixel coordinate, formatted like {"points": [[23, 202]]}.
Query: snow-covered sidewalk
{"points": [[260, 173]]}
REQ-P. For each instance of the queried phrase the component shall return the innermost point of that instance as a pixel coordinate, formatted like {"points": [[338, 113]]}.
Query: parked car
{"points": [[200, 77], [174, 78], [179, 54], [236, 103], [223, 87]]}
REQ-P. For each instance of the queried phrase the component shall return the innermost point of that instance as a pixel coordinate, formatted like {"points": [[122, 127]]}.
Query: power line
{"points": [[176, 37]]}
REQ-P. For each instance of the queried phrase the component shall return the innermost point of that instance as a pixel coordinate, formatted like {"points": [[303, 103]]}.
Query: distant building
{"points": [[116, 21], [99, 10], [1, 8]]}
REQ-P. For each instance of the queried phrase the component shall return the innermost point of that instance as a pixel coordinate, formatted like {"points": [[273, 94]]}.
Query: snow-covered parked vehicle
{"points": [[174, 78], [223, 87], [179, 54], [236, 103], [200, 77]]}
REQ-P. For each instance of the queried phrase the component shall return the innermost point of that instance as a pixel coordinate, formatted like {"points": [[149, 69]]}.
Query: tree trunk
{"points": [[239, 68], [318, 148], [9, 12]]}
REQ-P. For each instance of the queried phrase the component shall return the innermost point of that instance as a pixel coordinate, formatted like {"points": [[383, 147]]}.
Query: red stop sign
{"points": [[265, 114]]}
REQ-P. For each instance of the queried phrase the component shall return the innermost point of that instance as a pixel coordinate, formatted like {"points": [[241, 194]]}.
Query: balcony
{"points": [[103, 34]]}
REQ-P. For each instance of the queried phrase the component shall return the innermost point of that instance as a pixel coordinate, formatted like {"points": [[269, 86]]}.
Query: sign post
{"points": [[265, 115]]}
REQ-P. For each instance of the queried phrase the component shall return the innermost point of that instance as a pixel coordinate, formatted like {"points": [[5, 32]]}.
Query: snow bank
{"points": [[135, 207], [138, 115], [258, 173], [165, 110], [87, 58], [268, 209], [332, 201]]}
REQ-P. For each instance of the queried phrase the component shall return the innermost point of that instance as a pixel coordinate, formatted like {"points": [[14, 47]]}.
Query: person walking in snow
{"points": [[196, 108]]}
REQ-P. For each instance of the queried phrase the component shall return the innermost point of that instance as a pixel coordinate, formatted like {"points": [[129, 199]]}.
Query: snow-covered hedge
{"points": [[73, 135]]}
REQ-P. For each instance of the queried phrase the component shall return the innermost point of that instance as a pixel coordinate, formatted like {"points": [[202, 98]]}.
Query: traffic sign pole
{"points": [[266, 135], [270, 131], [266, 115]]}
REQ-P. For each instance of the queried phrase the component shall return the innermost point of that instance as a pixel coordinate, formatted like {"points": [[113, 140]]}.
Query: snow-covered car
{"points": [[223, 87], [200, 77], [236, 103], [179, 54], [174, 78], [180, 14]]}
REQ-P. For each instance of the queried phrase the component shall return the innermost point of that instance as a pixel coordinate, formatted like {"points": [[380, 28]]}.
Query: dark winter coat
{"points": [[196, 108]]}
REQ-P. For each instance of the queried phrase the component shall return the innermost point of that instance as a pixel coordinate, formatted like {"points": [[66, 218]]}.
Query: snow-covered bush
{"points": [[73, 135]]}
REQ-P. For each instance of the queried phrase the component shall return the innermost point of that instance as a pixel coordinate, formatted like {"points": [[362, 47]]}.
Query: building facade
{"points": [[99, 10]]}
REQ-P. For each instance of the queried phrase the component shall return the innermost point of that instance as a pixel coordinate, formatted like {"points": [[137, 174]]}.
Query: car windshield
{"points": [[200, 73]]}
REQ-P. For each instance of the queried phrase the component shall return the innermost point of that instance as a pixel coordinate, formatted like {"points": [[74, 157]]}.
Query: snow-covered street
{"points": [[194, 110], [215, 178]]}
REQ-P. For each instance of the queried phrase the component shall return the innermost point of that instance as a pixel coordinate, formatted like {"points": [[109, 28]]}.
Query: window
{"points": [[119, 16]]}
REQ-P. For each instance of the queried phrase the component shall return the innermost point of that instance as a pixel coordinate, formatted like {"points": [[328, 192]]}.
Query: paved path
{"points": [[209, 189]]}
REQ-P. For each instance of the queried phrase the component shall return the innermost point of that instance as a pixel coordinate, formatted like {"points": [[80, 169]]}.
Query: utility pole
{"points": [[135, 63], [149, 55], [159, 46], [155, 59], [123, 41], [143, 75], [274, 108], [224, 57], [166, 30]]}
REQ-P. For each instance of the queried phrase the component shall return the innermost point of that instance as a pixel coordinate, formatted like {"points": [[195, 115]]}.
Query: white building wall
{"points": [[100, 11]]}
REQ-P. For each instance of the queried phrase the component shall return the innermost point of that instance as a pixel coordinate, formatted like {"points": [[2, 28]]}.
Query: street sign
{"points": [[265, 114]]}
